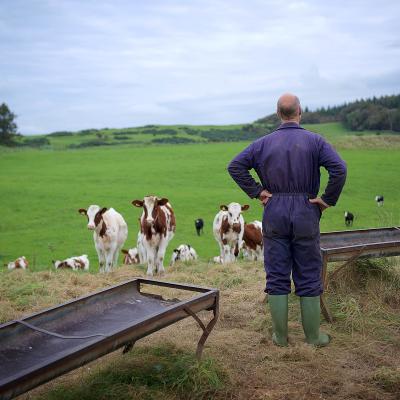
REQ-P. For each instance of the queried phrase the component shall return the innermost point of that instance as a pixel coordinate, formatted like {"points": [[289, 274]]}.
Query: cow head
{"points": [[176, 256], [177, 253], [94, 215], [234, 210], [150, 206]]}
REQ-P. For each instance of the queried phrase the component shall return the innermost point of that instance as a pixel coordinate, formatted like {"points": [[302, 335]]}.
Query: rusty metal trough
{"points": [[47, 344], [349, 246]]}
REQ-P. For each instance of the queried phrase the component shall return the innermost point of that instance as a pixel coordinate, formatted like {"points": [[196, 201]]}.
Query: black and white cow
{"points": [[348, 218], [379, 200], [184, 252]]}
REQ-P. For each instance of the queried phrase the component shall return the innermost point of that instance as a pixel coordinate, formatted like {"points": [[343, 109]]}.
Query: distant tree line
{"points": [[378, 113]]}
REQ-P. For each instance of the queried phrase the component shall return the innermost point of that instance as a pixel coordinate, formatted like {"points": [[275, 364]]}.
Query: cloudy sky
{"points": [[72, 64]]}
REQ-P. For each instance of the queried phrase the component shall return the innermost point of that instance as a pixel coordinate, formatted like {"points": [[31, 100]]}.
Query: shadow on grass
{"points": [[148, 373]]}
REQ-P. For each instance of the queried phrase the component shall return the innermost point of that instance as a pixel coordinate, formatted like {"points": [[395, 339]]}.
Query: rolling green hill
{"points": [[182, 134]]}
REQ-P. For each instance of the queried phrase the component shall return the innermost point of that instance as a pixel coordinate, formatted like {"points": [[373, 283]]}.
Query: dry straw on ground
{"points": [[240, 361]]}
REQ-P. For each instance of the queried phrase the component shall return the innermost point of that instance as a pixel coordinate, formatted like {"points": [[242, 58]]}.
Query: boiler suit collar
{"points": [[285, 125]]}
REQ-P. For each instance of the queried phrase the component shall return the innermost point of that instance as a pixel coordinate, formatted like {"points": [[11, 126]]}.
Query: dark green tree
{"points": [[8, 128]]}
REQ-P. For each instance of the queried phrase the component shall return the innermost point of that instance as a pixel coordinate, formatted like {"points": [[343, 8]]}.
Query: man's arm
{"points": [[337, 170], [239, 169]]}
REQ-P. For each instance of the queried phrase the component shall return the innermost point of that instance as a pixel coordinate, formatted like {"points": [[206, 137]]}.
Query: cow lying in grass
{"points": [[131, 256], [184, 252], [19, 263], [74, 263]]}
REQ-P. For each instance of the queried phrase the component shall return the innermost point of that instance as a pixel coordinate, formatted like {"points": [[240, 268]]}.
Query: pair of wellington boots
{"points": [[310, 317]]}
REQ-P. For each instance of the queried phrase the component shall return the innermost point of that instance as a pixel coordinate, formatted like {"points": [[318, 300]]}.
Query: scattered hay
{"points": [[241, 361], [366, 298]]}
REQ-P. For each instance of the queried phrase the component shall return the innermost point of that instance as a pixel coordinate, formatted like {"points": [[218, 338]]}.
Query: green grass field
{"points": [[41, 191]]}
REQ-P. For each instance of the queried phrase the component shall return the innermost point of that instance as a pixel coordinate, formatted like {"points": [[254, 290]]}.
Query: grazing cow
{"points": [[348, 218], [19, 263], [74, 263], [379, 200], [157, 226], [199, 224], [109, 234], [184, 252], [228, 229], [253, 241]]}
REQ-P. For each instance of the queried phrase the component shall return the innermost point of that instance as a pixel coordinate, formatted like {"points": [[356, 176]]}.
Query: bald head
{"points": [[288, 108]]}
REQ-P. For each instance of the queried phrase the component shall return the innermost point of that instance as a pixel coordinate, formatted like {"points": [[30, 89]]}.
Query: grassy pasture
{"points": [[41, 191]]}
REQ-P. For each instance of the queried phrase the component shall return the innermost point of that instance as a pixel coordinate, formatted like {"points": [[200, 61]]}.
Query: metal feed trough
{"points": [[47, 344], [349, 246]]}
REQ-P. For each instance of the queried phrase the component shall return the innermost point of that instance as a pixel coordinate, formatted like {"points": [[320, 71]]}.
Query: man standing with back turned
{"points": [[287, 162]]}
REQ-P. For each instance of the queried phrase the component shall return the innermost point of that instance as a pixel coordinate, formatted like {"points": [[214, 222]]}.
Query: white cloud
{"points": [[124, 63]]}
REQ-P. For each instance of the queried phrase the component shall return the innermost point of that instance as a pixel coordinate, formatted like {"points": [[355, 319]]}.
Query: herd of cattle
{"points": [[157, 228]]}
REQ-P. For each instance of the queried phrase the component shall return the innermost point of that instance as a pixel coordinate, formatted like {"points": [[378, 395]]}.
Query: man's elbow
{"points": [[232, 168], [343, 170], [340, 171]]}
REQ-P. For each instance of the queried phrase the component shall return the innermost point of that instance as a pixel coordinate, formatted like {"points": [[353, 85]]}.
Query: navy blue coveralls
{"points": [[287, 162]]}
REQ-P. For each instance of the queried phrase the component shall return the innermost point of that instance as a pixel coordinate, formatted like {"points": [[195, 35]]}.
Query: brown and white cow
{"points": [[157, 225], [109, 234], [19, 263], [228, 229], [74, 263], [253, 248], [131, 256]]}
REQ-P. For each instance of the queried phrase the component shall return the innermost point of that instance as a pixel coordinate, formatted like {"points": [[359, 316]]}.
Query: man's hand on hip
{"points": [[264, 197], [321, 204]]}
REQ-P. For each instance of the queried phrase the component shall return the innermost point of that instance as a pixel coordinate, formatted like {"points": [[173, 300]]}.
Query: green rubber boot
{"points": [[278, 306], [310, 316]]}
